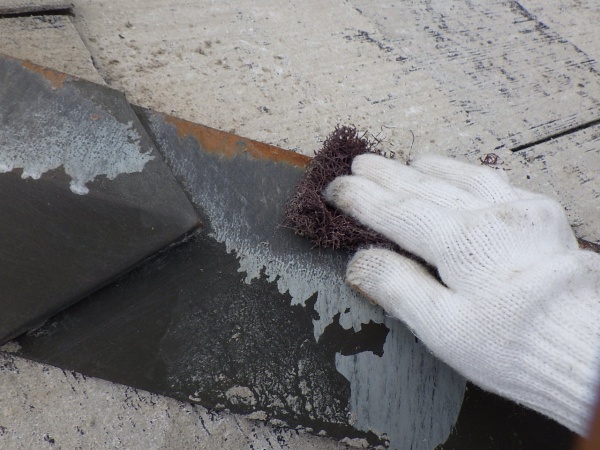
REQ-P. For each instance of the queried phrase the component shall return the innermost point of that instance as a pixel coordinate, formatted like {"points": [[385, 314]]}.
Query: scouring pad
{"points": [[309, 215]]}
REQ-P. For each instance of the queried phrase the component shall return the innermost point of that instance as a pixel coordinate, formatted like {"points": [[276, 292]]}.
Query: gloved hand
{"points": [[518, 312]]}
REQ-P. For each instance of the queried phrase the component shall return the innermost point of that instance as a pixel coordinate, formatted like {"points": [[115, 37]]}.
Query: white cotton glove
{"points": [[519, 310]]}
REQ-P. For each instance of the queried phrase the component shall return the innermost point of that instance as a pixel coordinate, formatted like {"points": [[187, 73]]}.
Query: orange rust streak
{"points": [[55, 78], [216, 141]]}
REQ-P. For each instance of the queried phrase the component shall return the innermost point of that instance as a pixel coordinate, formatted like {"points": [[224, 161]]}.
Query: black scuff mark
{"points": [[370, 338], [49, 11]]}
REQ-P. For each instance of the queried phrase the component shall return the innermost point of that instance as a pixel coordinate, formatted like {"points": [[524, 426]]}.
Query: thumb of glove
{"points": [[407, 291]]}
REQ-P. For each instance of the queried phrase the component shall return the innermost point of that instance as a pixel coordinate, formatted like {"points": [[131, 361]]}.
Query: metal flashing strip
{"points": [[248, 317], [84, 194], [243, 316]]}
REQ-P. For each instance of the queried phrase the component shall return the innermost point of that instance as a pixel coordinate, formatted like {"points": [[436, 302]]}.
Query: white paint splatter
{"points": [[392, 387], [76, 134], [257, 415], [10, 347], [244, 222], [240, 395]]}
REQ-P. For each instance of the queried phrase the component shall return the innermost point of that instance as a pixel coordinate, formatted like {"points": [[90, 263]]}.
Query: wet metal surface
{"points": [[404, 393], [84, 195], [187, 326]]}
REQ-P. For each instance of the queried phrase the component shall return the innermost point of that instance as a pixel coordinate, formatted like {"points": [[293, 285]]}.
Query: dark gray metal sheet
{"points": [[84, 195], [490, 422], [246, 316]]}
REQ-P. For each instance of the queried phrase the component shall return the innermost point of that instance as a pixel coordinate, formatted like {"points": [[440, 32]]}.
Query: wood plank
{"points": [[576, 20], [48, 40]]}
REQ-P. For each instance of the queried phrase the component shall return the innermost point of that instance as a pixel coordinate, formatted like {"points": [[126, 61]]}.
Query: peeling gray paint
{"points": [[59, 133], [407, 394], [252, 230], [385, 401], [58, 247]]}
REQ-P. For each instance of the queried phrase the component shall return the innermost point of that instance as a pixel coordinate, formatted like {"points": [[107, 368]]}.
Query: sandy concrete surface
{"points": [[45, 407], [48, 40], [284, 73]]}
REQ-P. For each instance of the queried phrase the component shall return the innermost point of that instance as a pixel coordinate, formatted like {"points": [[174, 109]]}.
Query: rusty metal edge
{"points": [[211, 139], [216, 141], [54, 77]]}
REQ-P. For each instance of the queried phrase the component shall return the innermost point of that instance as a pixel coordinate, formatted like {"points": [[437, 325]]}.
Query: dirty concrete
{"points": [[280, 73], [50, 41], [46, 407], [290, 88]]}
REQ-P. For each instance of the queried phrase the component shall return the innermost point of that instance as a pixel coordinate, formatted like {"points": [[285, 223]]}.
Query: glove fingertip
{"points": [[337, 191], [404, 288], [359, 274], [372, 165]]}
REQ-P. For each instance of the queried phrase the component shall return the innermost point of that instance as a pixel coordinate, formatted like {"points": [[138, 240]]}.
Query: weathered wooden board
{"points": [[578, 21], [48, 40]]}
